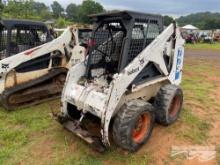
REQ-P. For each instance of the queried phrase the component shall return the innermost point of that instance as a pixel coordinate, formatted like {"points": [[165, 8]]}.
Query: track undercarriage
{"points": [[42, 89]]}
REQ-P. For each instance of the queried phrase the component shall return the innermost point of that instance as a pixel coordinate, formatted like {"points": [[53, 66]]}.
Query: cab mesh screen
{"points": [[107, 45]]}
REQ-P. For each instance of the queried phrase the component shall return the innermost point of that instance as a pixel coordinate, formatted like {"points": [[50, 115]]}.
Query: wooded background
{"points": [[30, 9]]}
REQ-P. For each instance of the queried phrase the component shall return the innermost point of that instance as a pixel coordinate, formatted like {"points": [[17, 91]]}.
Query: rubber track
{"points": [[8, 92]]}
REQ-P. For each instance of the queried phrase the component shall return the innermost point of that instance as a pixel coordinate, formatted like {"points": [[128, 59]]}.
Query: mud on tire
{"points": [[133, 125], [168, 104]]}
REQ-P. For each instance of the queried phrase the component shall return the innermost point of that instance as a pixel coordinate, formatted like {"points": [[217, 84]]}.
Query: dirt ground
{"points": [[202, 54], [31, 136], [204, 66], [207, 68]]}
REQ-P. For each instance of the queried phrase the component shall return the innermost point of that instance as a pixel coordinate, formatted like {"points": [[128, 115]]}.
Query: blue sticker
{"points": [[178, 64]]}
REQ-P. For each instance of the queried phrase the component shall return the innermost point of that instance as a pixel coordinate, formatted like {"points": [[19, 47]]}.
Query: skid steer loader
{"points": [[130, 79], [38, 74]]}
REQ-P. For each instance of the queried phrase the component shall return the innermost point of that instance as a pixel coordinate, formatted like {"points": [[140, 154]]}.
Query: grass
{"points": [[203, 46], [218, 154], [16, 129], [196, 129], [197, 90], [31, 136], [26, 135], [196, 84]]}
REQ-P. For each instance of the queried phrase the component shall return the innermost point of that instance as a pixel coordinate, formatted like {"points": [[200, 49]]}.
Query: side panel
{"points": [[177, 68]]}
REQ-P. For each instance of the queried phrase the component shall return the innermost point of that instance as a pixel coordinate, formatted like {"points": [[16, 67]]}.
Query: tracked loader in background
{"points": [[38, 74], [19, 35], [131, 77]]}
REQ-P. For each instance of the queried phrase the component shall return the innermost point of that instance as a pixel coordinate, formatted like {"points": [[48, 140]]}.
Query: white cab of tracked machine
{"points": [[104, 100]]}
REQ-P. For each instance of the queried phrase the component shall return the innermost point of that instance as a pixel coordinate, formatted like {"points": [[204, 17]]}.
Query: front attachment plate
{"points": [[75, 127]]}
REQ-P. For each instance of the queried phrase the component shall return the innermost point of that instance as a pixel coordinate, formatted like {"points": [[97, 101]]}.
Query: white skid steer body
{"points": [[104, 101]]}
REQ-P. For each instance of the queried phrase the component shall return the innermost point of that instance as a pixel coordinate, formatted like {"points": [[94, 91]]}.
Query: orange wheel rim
{"points": [[175, 106], [141, 128]]}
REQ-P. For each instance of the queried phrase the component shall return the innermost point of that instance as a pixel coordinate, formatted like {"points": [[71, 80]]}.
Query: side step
{"points": [[74, 127]]}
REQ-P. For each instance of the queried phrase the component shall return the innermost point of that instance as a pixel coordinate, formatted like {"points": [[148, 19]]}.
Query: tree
{"points": [[46, 15], [89, 7], [167, 20], [26, 9], [202, 20], [60, 22], [39, 7], [72, 12], [1, 8], [57, 9], [20, 9], [42, 10], [212, 24]]}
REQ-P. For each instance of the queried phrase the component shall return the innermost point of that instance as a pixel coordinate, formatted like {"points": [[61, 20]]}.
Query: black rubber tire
{"points": [[125, 121], [163, 104]]}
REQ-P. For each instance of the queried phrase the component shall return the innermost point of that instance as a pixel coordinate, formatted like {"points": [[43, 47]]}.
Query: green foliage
{"points": [[212, 23], [80, 13], [26, 10], [200, 128], [167, 20], [19, 9], [89, 7], [19, 127], [45, 15], [61, 22], [204, 46], [218, 154], [1, 9], [30, 9], [39, 7], [42, 10], [206, 20], [72, 12], [57, 9]]}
